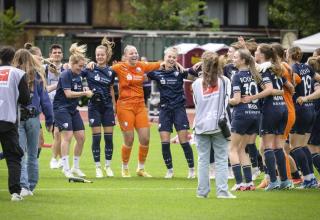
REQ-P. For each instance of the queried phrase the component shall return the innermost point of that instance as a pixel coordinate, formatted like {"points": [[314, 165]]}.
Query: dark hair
{"points": [[279, 50], [270, 54], [6, 54], [55, 46]]}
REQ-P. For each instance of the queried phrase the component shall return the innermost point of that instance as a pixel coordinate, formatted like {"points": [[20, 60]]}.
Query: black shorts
{"points": [[305, 117], [169, 117], [315, 133], [101, 116], [67, 121], [244, 126], [274, 121]]}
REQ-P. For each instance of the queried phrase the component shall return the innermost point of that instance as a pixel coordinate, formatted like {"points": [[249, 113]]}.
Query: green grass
{"points": [[140, 198]]}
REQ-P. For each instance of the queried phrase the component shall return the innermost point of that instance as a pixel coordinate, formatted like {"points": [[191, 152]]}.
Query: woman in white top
{"points": [[210, 97]]}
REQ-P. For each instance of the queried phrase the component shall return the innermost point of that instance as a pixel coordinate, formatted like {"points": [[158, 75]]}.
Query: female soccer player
{"points": [[245, 117], [66, 116], [131, 110], [172, 109], [273, 118], [101, 105], [29, 126], [305, 115]]}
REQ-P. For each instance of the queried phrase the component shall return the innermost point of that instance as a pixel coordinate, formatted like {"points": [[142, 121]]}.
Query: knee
{"points": [[144, 141], [128, 141]]}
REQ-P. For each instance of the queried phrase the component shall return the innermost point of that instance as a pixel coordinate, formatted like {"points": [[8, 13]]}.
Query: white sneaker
{"points": [[67, 173], [237, 187], [77, 172], [169, 174], [255, 173], [109, 171], [99, 173], [60, 165], [192, 173], [230, 173], [212, 172], [25, 192], [226, 195], [54, 163], [15, 197]]}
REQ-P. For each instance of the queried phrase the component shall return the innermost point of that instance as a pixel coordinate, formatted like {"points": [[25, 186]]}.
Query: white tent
{"points": [[214, 47], [308, 44]]}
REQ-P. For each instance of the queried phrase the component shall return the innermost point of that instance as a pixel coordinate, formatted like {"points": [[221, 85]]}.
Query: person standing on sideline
{"points": [[210, 92], [29, 127], [66, 116], [13, 90], [101, 105]]}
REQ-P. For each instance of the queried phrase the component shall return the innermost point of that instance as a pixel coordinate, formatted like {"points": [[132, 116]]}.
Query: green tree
{"points": [[166, 15], [10, 26], [296, 14]]}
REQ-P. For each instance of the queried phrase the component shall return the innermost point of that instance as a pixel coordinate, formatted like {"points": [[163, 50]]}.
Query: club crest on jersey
{"points": [[138, 69], [162, 81], [176, 73], [65, 125], [97, 78], [91, 120], [75, 87], [109, 73], [129, 77]]}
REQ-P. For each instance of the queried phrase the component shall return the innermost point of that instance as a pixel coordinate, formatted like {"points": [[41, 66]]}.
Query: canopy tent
{"points": [[308, 44]]}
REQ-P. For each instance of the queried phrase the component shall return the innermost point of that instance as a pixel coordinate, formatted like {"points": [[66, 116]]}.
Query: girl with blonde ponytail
{"points": [[101, 107], [67, 117]]}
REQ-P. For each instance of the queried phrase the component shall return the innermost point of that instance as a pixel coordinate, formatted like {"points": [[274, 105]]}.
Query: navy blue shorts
{"points": [[101, 116], [177, 117], [305, 117], [244, 126], [67, 121], [315, 133], [274, 122]]}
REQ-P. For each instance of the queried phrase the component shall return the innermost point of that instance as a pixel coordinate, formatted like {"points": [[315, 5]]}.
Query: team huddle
{"points": [[261, 90]]}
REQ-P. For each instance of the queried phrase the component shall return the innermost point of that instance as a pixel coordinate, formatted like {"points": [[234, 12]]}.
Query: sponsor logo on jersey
{"points": [[129, 77]]}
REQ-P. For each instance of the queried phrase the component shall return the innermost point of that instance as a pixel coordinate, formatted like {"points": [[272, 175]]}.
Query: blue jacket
{"points": [[40, 101]]}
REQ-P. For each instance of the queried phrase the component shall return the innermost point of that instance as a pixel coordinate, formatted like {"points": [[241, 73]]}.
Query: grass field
{"points": [[140, 198]]}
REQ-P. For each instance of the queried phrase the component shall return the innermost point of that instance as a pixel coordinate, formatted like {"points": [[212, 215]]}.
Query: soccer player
{"points": [[305, 115], [131, 110], [66, 116], [273, 118], [172, 109], [101, 105], [245, 117]]}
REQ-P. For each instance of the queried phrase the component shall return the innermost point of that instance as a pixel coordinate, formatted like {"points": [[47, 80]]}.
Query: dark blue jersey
{"points": [[306, 74], [243, 82], [229, 70], [67, 80], [99, 81], [170, 84], [271, 102]]}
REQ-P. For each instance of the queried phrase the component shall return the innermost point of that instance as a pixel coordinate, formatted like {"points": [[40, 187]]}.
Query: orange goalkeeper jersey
{"points": [[131, 80]]}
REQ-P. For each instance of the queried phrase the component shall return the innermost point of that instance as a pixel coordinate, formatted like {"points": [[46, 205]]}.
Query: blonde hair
{"points": [[77, 53], [314, 63], [295, 53], [171, 49], [25, 61], [128, 47], [249, 60], [107, 47], [211, 68]]}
